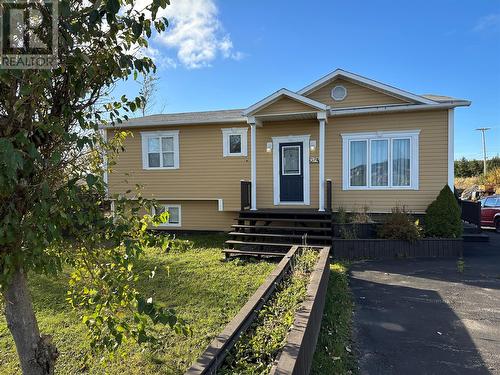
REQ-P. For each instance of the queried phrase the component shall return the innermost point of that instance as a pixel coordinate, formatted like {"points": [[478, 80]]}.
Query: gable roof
{"points": [[365, 82], [284, 93]]}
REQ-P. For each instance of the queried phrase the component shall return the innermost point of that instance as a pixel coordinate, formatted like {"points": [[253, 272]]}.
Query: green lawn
{"points": [[204, 290], [334, 353]]}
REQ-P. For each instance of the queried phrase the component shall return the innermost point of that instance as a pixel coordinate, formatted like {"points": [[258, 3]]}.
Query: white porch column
{"points": [[322, 118], [451, 158], [253, 163]]}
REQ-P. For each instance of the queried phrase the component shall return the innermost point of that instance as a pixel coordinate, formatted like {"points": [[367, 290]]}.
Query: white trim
{"points": [[280, 93], [253, 166], [155, 134], [146, 122], [276, 168], [338, 99], [321, 164], [167, 206], [396, 108], [365, 81], [220, 204], [413, 135], [451, 156], [226, 133]]}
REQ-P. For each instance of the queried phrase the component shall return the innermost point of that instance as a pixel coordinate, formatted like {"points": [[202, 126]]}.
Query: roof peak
{"points": [[366, 82]]}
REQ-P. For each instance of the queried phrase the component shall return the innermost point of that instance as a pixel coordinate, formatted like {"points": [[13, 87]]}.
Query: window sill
{"points": [[235, 155], [158, 168], [383, 188]]}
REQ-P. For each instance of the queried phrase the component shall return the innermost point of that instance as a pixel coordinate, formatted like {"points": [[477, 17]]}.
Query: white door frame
{"points": [[276, 167]]}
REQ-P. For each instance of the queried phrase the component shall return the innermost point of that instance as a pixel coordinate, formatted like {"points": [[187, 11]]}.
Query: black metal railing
{"points": [[328, 195], [246, 195], [471, 212]]}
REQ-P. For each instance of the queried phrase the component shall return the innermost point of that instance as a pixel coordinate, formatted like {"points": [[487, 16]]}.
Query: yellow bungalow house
{"points": [[342, 141]]}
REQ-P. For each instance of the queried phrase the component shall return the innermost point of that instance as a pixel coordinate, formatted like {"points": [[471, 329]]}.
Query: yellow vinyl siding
{"points": [[357, 95], [433, 159], [265, 192], [201, 215], [205, 175], [285, 105], [203, 171]]}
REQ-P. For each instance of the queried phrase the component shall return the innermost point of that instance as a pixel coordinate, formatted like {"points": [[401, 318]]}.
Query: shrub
{"points": [[362, 217], [491, 180], [343, 219], [442, 217], [400, 225]]}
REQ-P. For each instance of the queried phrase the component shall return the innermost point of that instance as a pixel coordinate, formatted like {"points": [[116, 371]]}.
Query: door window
{"points": [[290, 160]]}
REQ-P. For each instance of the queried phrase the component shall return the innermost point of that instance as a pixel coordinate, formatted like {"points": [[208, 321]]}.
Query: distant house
{"points": [[375, 145]]}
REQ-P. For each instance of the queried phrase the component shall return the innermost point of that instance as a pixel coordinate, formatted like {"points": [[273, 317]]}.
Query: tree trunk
{"points": [[36, 353]]}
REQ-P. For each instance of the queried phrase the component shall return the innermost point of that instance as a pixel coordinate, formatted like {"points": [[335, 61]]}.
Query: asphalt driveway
{"points": [[421, 316]]}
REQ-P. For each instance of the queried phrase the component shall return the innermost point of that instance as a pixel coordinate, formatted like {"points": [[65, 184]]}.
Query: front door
{"points": [[291, 172]]}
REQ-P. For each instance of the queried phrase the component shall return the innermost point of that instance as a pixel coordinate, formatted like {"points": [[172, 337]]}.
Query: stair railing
{"points": [[246, 194], [329, 195]]}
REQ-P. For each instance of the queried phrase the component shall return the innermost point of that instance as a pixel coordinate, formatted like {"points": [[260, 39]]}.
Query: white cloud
{"points": [[491, 21], [160, 60], [196, 33]]}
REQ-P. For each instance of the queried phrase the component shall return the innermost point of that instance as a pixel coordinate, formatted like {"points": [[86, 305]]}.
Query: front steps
{"points": [[267, 232]]}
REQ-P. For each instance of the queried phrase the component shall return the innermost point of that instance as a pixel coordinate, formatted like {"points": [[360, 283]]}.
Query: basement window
{"points": [[174, 214]]}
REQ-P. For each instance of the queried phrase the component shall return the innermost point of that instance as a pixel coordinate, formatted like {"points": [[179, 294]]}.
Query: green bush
{"points": [[400, 225], [442, 217]]}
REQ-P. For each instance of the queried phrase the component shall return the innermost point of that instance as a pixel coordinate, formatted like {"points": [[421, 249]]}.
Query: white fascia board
{"points": [[138, 123], [280, 93], [396, 108], [365, 81]]}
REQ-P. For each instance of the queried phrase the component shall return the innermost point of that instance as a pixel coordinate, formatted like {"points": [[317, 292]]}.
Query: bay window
{"points": [[380, 160]]}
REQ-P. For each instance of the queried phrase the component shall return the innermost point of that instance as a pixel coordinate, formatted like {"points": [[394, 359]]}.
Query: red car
{"points": [[490, 212]]}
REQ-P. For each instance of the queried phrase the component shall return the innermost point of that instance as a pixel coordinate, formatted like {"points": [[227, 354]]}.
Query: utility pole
{"points": [[483, 130]]}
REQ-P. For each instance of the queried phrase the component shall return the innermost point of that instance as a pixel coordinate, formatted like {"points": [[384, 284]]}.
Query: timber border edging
{"points": [[297, 355], [387, 249], [305, 329]]}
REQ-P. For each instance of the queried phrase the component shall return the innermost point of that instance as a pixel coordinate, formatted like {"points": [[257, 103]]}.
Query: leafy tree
{"points": [[443, 216], [52, 191]]}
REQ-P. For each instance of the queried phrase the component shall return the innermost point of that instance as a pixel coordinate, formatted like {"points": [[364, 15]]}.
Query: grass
{"points": [[204, 290], [334, 354]]}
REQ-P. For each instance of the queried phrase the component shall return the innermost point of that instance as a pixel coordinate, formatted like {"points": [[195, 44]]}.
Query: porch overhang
{"points": [[314, 105]]}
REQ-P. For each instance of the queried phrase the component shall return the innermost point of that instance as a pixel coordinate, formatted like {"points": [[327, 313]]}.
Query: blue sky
{"points": [[230, 54]]}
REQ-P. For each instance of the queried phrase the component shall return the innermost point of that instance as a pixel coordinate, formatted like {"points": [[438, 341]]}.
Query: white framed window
{"points": [[160, 149], [174, 214], [234, 142], [381, 160]]}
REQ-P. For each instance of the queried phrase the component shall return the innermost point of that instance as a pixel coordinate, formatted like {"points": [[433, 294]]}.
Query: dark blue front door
{"points": [[291, 172]]}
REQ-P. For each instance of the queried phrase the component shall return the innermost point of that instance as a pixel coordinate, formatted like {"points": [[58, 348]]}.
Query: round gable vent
{"points": [[339, 93]]}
